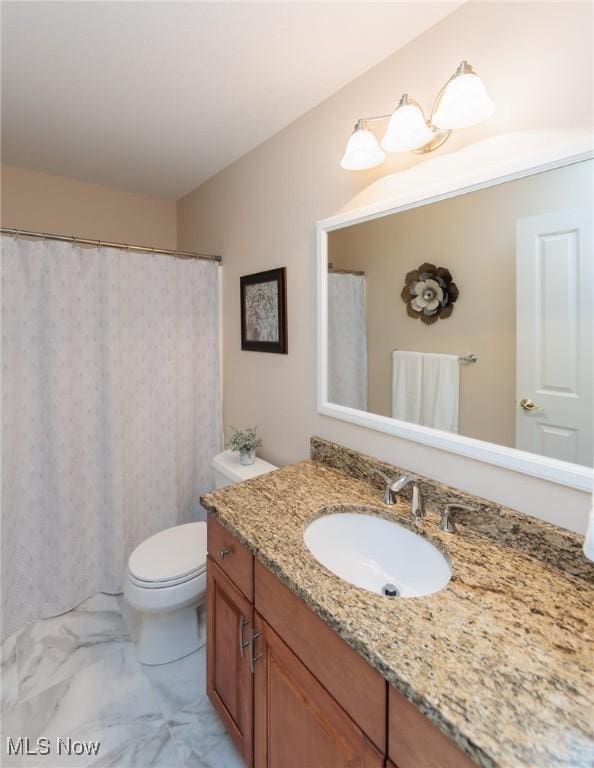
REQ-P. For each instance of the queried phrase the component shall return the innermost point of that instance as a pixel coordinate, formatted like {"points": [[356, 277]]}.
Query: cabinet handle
{"points": [[253, 659], [242, 643], [224, 552]]}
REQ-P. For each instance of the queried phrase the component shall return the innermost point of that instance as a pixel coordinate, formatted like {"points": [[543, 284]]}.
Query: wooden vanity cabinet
{"points": [[229, 680], [290, 691], [297, 722]]}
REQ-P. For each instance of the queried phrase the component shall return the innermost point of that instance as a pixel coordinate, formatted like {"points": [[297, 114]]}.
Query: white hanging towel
{"points": [[426, 389], [407, 371], [440, 392]]}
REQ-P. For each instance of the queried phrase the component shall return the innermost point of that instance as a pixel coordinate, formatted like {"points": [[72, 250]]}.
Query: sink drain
{"points": [[390, 590]]}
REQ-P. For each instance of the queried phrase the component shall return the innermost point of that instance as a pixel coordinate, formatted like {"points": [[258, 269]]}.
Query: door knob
{"points": [[528, 405]]}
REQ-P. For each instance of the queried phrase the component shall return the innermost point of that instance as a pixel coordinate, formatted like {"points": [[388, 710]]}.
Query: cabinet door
{"points": [[355, 686], [230, 683], [297, 724], [414, 741]]}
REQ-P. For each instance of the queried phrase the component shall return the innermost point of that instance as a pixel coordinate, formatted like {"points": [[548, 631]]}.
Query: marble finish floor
{"points": [[76, 676]]}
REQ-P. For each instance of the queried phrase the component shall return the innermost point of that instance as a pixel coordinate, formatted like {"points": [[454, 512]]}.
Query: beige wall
{"points": [[474, 235], [261, 213], [46, 203]]}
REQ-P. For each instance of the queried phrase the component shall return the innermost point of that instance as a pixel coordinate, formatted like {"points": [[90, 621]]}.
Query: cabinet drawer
{"points": [[232, 557], [359, 689], [414, 741]]}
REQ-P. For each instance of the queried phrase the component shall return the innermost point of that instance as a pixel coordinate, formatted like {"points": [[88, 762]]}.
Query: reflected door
{"points": [[555, 277]]}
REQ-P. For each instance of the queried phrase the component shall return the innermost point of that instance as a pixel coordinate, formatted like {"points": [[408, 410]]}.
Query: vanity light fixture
{"points": [[463, 101]]}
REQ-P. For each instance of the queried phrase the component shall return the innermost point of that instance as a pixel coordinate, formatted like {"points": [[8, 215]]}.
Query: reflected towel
{"points": [[407, 370], [426, 389], [440, 392]]}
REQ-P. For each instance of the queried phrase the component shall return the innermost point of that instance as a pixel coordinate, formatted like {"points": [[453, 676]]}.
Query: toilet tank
{"points": [[228, 470]]}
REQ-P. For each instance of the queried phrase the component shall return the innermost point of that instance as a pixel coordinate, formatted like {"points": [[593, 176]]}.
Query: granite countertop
{"points": [[501, 660]]}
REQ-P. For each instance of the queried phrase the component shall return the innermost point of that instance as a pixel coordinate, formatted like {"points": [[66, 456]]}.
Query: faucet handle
{"points": [[382, 475], [446, 523]]}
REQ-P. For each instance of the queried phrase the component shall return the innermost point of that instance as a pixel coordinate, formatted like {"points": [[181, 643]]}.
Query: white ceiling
{"points": [[156, 97]]}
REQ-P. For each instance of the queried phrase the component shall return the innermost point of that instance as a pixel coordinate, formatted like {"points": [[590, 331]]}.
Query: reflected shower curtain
{"points": [[111, 414], [347, 340]]}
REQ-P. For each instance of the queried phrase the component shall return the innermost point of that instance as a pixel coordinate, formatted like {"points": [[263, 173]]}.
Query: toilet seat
{"points": [[170, 557], [168, 582]]}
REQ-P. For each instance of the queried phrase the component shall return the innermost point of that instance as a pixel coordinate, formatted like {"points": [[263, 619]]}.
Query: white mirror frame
{"points": [[428, 187]]}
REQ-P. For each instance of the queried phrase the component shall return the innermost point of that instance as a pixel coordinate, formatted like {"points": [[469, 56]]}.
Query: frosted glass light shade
{"points": [[407, 129], [464, 102], [362, 151]]}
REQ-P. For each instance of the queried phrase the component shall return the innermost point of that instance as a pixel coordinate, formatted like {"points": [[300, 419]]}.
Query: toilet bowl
{"points": [[166, 583], [166, 578]]}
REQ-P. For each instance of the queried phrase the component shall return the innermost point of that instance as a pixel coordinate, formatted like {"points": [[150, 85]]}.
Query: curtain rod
{"points": [[339, 271], [121, 246]]}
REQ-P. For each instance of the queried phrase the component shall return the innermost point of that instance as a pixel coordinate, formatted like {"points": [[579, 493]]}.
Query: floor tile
{"points": [[180, 683], [224, 755], [10, 727], [76, 676], [154, 749], [201, 738], [100, 602], [8, 673], [51, 650], [110, 701], [131, 617]]}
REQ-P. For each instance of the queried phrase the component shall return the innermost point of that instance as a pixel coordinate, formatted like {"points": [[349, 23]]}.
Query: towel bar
{"points": [[471, 358]]}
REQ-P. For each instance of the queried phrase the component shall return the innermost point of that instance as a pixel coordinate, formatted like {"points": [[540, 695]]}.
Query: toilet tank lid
{"points": [[227, 463], [170, 554]]}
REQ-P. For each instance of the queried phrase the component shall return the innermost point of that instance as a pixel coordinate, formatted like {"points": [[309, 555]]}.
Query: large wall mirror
{"points": [[467, 322]]}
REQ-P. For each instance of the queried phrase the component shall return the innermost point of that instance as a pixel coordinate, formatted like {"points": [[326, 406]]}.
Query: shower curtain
{"points": [[111, 414], [347, 340]]}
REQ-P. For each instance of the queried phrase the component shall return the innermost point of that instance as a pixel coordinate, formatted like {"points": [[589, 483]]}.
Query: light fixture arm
{"points": [[404, 99], [362, 121]]}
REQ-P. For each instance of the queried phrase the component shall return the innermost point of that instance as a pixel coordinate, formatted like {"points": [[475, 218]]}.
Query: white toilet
{"points": [[166, 577]]}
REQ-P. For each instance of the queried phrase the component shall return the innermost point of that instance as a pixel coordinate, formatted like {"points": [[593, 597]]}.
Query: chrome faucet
{"points": [[394, 486]]}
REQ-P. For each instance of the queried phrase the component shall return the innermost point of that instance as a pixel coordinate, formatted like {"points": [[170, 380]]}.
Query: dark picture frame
{"points": [[264, 311]]}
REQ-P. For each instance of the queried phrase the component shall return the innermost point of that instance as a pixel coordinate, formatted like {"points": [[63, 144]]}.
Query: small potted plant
{"points": [[246, 442]]}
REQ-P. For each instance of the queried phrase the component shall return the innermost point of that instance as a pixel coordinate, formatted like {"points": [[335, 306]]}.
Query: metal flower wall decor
{"points": [[429, 293]]}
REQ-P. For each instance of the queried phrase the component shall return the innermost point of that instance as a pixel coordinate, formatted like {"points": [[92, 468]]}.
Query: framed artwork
{"points": [[264, 311]]}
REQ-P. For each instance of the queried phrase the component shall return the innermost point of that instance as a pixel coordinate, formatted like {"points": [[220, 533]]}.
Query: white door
{"points": [[555, 319]]}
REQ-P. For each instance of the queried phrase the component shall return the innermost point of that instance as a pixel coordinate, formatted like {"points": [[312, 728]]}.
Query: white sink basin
{"points": [[372, 552]]}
